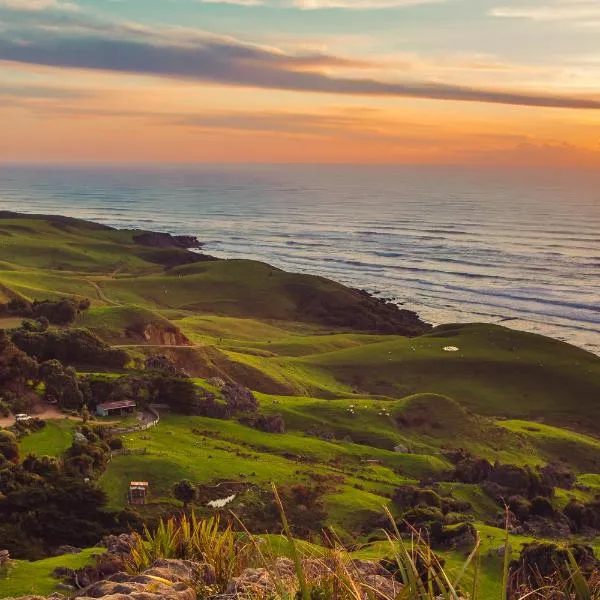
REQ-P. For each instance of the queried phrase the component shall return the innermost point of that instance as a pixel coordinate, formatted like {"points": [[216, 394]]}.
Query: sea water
{"points": [[512, 246]]}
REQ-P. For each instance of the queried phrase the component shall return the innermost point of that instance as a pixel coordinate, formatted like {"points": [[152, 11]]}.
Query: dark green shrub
{"points": [[520, 507], [541, 507], [185, 492], [9, 446]]}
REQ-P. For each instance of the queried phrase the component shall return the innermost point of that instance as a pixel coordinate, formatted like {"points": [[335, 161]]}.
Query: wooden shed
{"points": [[138, 491]]}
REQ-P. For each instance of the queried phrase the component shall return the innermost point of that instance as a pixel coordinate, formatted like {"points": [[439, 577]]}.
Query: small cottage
{"points": [[138, 490], [120, 407]]}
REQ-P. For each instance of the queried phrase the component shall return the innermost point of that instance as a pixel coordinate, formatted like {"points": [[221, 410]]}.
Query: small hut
{"points": [[138, 490]]}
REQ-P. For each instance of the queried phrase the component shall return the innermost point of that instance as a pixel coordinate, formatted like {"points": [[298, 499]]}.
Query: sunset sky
{"points": [[390, 81]]}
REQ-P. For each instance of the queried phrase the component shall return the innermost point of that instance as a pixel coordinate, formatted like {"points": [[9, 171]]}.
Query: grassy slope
{"points": [[498, 372], [243, 319], [24, 578], [207, 450]]}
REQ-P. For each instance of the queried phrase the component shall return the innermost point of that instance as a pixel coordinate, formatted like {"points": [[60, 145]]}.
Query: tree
{"points": [[9, 447], [61, 385], [179, 393], [185, 492]]}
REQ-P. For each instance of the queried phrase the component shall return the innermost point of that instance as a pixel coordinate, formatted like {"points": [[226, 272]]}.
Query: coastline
{"points": [[433, 244]]}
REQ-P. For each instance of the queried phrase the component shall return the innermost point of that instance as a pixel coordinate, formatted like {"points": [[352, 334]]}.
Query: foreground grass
{"points": [[481, 573]]}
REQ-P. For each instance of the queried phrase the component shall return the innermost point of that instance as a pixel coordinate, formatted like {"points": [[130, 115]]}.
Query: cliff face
{"points": [[160, 336], [157, 334]]}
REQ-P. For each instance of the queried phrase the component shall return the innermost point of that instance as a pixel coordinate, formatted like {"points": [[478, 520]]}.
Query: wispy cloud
{"points": [[44, 92], [37, 5], [126, 48], [560, 10]]}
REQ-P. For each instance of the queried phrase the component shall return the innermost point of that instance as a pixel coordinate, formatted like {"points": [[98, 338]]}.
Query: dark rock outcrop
{"points": [[354, 309], [155, 239]]}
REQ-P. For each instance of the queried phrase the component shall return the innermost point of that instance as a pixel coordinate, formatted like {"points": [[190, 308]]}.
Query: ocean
{"points": [[516, 247]]}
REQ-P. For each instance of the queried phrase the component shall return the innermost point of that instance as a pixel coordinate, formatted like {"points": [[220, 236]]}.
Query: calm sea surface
{"points": [[454, 244]]}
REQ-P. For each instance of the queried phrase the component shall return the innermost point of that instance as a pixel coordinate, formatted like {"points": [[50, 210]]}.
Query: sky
{"points": [[469, 82]]}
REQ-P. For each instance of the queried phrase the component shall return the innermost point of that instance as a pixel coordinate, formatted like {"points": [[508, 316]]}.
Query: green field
{"points": [[22, 578], [52, 440], [363, 409]]}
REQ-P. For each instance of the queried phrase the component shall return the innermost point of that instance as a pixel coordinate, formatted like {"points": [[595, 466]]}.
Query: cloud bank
{"points": [[236, 64], [78, 40]]}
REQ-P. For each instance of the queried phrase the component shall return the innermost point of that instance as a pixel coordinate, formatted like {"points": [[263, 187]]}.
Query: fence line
{"points": [[144, 427]]}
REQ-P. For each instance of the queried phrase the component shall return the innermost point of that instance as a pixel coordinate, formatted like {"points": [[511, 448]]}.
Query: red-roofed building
{"points": [[119, 407]]}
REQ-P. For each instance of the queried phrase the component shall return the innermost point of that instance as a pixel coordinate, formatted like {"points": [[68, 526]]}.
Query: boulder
{"points": [[165, 580], [117, 544], [61, 550], [375, 581]]}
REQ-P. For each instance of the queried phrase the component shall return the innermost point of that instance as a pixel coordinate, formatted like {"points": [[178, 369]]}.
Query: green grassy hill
{"points": [[370, 397]]}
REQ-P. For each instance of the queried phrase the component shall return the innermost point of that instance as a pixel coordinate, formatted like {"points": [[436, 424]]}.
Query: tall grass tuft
{"points": [[190, 538]]}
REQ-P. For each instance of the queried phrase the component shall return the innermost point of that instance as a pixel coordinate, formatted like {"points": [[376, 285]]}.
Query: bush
{"points": [[557, 475], [116, 443], [4, 408], [61, 312], [543, 561], [422, 515], [583, 517], [505, 481], [185, 492], [239, 399], [520, 507], [409, 496], [472, 469], [9, 446], [459, 535], [266, 423], [541, 507], [303, 504]]}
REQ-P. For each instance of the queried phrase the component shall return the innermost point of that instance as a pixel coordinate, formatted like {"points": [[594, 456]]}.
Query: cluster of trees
{"points": [[441, 519], [21, 375], [180, 393], [59, 312], [69, 346], [528, 494], [46, 502]]}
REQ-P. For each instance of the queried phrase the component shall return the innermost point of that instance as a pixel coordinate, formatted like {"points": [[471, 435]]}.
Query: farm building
{"points": [[137, 492], [115, 408]]}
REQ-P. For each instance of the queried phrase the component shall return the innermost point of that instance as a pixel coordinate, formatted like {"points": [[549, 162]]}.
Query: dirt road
{"points": [[48, 413]]}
